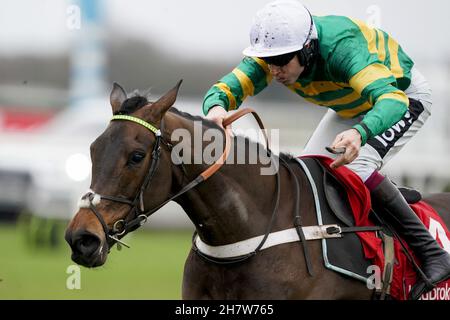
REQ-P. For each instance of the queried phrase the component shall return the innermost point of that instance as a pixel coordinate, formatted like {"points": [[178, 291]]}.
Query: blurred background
{"points": [[58, 60]]}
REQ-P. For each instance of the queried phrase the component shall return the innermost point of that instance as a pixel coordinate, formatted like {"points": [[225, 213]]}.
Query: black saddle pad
{"points": [[344, 255]]}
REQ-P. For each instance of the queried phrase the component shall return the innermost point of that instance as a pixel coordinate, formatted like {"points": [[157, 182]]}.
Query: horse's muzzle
{"points": [[87, 248]]}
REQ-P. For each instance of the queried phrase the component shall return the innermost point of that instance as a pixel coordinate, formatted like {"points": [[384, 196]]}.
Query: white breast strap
{"points": [[244, 247], [84, 201]]}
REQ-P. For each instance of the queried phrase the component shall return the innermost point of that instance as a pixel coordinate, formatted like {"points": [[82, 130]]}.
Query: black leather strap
{"points": [[361, 229]]}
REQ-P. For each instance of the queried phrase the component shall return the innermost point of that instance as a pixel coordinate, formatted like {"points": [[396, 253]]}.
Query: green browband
{"points": [[150, 127]]}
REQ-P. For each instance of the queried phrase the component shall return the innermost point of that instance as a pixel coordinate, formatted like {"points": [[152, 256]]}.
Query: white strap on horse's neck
{"points": [[245, 247]]}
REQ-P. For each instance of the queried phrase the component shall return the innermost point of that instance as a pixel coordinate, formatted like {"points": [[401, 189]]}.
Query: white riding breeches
{"points": [[380, 149]]}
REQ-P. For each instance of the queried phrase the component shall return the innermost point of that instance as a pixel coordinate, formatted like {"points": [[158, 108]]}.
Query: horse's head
{"points": [[128, 159]]}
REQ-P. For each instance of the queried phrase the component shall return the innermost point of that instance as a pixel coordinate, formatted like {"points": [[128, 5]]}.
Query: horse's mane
{"points": [[138, 101]]}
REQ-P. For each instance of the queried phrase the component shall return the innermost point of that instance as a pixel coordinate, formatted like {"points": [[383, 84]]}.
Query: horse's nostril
{"points": [[88, 241], [86, 244]]}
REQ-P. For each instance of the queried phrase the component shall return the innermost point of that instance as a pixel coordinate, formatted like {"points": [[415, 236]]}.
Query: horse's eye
{"points": [[136, 157]]}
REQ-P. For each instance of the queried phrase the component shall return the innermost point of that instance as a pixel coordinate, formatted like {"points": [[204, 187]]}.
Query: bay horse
{"points": [[234, 204]]}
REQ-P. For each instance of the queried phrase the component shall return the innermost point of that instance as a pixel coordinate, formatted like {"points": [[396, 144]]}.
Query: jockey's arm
{"points": [[375, 83], [249, 78], [389, 104]]}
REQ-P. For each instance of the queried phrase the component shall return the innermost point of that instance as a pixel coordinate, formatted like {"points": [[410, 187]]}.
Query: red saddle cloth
{"points": [[404, 275]]}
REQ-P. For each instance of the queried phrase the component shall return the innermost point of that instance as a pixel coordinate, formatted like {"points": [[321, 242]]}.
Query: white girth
{"points": [[245, 247]]}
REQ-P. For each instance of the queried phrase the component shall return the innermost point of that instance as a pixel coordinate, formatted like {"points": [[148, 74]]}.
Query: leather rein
{"points": [[138, 214]]}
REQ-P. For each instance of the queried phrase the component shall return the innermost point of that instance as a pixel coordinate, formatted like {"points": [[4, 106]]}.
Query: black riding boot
{"points": [[435, 260]]}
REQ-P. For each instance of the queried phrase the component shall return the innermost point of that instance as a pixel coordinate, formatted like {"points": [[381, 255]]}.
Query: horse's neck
{"points": [[234, 204], [226, 209]]}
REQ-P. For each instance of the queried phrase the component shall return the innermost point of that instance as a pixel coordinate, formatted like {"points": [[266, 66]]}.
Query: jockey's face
{"points": [[289, 73]]}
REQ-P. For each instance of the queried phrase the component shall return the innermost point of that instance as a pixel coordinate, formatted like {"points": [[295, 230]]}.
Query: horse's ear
{"points": [[164, 103], [117, 97]]}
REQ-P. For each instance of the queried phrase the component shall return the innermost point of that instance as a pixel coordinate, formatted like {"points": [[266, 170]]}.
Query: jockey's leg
{"points": [[327, 129], [398, 213], [378, 151]]}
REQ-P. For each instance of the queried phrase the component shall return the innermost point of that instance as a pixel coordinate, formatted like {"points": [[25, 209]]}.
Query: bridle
{"points": [[137, 212], [138, 215]]}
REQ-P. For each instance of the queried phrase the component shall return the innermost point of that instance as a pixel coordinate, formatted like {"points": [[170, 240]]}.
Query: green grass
{"points": [[151, 269]]}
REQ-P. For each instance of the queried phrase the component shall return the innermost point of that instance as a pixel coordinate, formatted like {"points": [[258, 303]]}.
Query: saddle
{"points": [[346, 255]]}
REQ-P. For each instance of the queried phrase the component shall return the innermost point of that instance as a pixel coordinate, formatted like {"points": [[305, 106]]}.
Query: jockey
{"points": [[377, 102]]}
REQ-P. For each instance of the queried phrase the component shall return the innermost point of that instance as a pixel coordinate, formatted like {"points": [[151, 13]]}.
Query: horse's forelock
{"points": [[132, 104]]}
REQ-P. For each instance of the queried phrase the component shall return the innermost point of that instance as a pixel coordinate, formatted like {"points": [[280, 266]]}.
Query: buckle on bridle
{"points": [[119, 227], [119, 230], [143, 218]]}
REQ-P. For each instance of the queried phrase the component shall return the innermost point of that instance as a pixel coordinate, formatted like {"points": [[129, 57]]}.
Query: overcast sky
{"points": [[210, 29]]}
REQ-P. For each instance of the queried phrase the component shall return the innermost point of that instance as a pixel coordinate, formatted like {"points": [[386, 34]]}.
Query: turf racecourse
{"points": [[151, 269]]}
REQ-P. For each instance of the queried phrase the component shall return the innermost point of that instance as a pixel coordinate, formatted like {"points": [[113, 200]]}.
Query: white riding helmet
{"points": [[282, 26]]}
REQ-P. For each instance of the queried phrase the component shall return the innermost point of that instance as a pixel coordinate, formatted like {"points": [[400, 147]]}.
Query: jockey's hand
{"points": [[217, 114], [351, 141]]}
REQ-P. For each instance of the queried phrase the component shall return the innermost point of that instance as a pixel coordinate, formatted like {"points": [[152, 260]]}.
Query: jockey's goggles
{"points": [[281, 60]]}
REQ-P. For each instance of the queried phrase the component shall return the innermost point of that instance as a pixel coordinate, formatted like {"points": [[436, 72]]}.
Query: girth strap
{"points": [[230, 253]]}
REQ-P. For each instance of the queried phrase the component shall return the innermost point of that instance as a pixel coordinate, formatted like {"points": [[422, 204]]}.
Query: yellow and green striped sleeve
{"points": [[249, 78], [376, 83]]}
